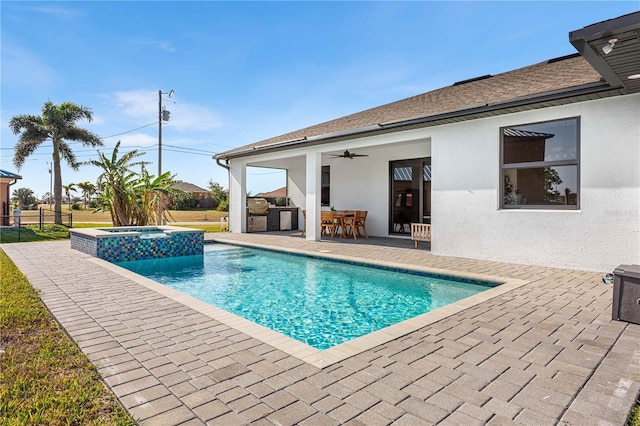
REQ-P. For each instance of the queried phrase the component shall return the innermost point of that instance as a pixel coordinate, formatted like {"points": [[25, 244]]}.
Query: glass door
{"points": [[410, 182]]}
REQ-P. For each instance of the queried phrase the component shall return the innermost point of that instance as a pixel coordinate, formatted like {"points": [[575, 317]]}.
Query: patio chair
{"points": [[357, 222], [328, 224]]}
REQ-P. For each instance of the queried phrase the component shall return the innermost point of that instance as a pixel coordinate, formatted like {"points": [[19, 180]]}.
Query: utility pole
{"points": [[163, 115]]}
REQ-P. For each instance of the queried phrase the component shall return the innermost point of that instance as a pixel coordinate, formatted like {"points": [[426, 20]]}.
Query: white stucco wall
{"points": [[602, 234], [466, 216]]}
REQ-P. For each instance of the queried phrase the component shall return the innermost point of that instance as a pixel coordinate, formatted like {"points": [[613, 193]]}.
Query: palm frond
{"points": [[83, 136], [23, 150], [66, 153], [24, 121]]}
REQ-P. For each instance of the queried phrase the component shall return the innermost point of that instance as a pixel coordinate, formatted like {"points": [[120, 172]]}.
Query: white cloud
{"points": [[193, 117], [142, 105], [98, 120]]}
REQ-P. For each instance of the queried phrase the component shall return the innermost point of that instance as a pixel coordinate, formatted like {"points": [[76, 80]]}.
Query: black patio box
{"points": [[626, 293]]}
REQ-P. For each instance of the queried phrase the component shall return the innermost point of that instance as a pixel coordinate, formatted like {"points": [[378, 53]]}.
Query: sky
{"points": [[246, 71]]}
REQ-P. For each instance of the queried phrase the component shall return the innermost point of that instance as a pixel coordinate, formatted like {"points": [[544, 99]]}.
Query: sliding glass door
{"points": [[410, 183]]}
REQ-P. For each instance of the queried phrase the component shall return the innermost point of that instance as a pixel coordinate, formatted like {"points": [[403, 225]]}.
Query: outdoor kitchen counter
{"points": [[273, 217]]}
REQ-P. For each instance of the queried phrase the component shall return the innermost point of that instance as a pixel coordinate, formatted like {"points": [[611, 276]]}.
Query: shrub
{"points": [[223, 206], [207, 203], [183, 201], [75, 206]]}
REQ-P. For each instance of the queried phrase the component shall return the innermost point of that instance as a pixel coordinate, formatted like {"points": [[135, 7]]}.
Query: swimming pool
{"points": [[319, 302]]}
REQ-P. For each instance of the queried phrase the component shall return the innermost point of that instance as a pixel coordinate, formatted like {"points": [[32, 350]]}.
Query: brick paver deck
{"points": [[543, 353]]}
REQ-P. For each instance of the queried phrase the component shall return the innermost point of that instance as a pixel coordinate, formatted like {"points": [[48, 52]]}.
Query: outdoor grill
{"points": [[258, 210], [258, 206]]}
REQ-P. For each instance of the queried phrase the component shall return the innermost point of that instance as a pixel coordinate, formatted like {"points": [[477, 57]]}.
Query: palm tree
{"points": [[58, 124], [88, 189], [116, 182], [68, 189]]}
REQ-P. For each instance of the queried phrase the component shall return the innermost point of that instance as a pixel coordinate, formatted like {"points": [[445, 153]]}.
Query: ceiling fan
{"points": [[349, 155]]}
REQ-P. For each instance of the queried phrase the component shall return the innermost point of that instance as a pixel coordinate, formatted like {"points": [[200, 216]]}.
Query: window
{"points": [[540, 165], [325, 186]]}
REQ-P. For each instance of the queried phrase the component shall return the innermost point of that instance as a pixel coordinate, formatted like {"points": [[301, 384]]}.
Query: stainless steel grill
{"points": [[258, 206]]}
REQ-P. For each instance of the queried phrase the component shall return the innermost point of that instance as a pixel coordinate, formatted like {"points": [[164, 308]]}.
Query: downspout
{"points": [[220, 164]]}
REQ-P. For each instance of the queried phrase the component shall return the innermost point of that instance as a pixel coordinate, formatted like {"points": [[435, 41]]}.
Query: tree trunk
{"points": [[57, 183]]}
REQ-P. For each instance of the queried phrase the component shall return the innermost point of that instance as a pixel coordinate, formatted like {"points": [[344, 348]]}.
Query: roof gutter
{"points": [[425, 121], [219, 163]]}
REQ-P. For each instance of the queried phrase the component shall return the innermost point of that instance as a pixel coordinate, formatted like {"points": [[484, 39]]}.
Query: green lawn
{"points": [[31, 233]]}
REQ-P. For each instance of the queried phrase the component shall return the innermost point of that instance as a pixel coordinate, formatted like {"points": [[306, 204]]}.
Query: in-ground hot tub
{"points": [[120, 244]]}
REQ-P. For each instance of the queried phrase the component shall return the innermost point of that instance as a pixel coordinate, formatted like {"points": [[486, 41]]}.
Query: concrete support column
{"points": [[314, 188], [238, 197]]}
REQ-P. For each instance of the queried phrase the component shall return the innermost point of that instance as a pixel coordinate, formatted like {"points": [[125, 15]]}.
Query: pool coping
{"points": [[316, 357], [125, 231]]}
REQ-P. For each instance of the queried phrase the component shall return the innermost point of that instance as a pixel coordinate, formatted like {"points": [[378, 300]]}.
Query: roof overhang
{"points": [[576, 94], [623, 59]]}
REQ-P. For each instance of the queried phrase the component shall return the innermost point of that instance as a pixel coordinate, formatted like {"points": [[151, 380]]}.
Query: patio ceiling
{"points": [[623, 60]]}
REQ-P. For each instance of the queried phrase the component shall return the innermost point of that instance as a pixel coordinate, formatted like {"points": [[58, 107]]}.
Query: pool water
{"points": [[319, 302]]}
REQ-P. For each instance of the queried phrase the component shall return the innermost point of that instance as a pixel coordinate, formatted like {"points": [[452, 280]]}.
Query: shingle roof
{"points": [[280, 192], [545, 78], [189, 187]]}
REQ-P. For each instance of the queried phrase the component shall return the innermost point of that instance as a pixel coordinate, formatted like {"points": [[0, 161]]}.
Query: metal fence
{"points": [[32, 217]]}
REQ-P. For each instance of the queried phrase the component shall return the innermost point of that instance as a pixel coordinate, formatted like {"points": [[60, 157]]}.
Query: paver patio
{"points": [[546, 352]]}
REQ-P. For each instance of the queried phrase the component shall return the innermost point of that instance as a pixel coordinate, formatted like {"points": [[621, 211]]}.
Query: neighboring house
{"points": [[6, 180], [277, 197], [198, 193], [276, 193], [203, 196], [537, 166]]}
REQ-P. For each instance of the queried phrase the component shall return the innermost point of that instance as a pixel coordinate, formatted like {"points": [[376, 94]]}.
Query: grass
{"points": [[634, 416], [50, 232], [44, 377], [31, 233], [213, 227], [174, 215]]}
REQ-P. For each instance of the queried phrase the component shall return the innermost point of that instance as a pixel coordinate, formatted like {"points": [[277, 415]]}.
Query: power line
{"points": [[187, 152], [191, 149], [129, 131]]}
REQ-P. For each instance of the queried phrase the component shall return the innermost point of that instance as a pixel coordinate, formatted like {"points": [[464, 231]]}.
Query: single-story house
{"points": [[276, 193], [276, 197], [6, 180], [203, 196], [198, 192], [539, 165]]}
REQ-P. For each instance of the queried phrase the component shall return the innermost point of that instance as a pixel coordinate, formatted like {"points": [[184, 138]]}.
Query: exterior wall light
{"points": [[607, 48]]}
